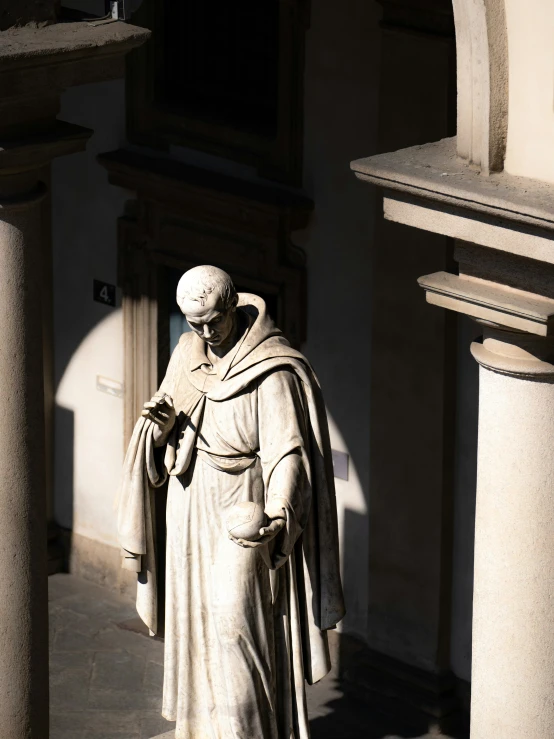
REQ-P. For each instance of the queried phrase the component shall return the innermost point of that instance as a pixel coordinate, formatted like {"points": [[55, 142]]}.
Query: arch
{"points": [[482, 52]]}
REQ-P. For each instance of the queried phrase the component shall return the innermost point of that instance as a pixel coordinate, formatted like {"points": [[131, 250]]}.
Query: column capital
{"points": [[515, 353], [23, 199], [28, 154]]}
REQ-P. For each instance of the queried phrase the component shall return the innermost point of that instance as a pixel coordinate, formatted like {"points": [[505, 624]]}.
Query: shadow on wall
{"points": [[65, 463], [59, 545], [353, 707]]}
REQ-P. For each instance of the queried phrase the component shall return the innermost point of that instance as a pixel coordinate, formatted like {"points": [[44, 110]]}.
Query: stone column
{"points": [[23, 564], [513, 626], [36, 64]]}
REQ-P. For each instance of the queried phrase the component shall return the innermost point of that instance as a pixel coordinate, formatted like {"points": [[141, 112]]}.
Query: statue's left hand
{"points": [[276, 513], [267, 533]]}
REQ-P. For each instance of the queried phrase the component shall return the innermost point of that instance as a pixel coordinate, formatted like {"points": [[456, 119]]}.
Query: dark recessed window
{"points": [[220, 62], [224, 77]]}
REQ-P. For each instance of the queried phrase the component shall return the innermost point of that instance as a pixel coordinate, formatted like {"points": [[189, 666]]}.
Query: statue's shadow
{"points": [[337, 714]]}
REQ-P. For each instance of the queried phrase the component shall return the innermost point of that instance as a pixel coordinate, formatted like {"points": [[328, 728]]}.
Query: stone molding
{"points": [[23, 200], [434, 173], [490, 301], [429, 187], [36, 65], [515, 354], [38, 149], [43, 48]]}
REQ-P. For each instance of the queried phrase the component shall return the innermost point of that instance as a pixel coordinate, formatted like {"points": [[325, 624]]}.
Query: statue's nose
{"points": [[207, 331]]}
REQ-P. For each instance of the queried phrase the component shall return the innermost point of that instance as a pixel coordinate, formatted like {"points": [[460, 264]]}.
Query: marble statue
{"points": [[238, 427]]}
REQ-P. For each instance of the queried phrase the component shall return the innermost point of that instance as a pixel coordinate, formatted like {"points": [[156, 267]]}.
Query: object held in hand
{"points": [[245, 520]]}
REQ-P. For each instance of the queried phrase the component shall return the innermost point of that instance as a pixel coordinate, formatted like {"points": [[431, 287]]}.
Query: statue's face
{"points": [[211, 321]]}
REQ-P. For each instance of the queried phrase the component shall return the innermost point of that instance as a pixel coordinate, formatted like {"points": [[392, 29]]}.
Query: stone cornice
{"points": [[433, 172], [431, 188], [64, 54], [26, 46]]}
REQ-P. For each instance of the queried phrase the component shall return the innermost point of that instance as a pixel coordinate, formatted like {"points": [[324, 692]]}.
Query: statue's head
{"points": [[208, 299]]}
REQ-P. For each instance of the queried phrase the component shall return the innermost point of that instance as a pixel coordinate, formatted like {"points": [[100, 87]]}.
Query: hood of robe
{"points": [[261, 324], [261, 340]]}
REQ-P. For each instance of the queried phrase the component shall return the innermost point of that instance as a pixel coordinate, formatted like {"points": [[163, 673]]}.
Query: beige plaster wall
{"points": [[530, 145], [340, 119]]}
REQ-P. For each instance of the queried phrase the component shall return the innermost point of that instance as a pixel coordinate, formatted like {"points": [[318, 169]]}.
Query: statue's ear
{"points": [[234, 303]]}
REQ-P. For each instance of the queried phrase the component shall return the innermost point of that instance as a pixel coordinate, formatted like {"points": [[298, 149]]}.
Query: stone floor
{"points": [[106, 681]]}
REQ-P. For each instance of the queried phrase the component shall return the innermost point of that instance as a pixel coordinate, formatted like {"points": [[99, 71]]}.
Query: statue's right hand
{"points": [[161, 412]]}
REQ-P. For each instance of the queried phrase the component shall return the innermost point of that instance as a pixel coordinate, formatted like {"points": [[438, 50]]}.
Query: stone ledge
{"points": [[434, 172], [24, 46], [490, 301], [36, 61]]}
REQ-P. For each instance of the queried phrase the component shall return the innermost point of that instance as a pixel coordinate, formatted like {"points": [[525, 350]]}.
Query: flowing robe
{"points": [[244, 628]]}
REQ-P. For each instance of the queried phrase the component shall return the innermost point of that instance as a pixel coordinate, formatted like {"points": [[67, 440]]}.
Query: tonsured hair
{"points": [[199, 282]]}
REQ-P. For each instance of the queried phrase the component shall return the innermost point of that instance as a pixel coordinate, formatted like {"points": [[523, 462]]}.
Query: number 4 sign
{"points": [[103, 292]]}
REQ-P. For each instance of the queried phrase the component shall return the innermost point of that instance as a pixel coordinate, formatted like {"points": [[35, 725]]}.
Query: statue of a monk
{"points": [[239, 418]]}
